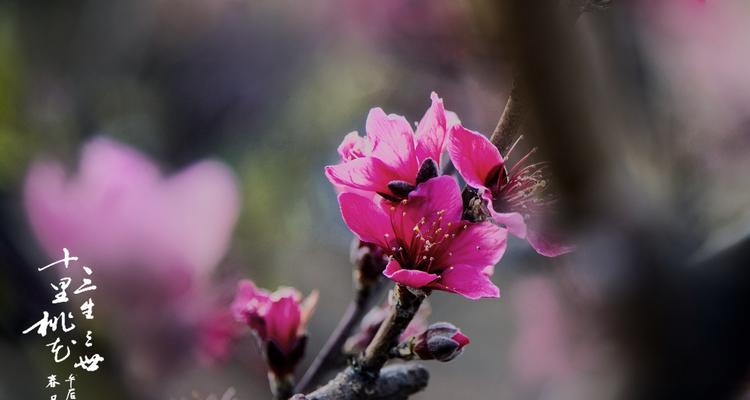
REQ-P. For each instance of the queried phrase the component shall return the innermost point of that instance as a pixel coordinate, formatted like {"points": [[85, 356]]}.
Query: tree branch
{"points": [[331, 350], [363, 379], [403, 311], [509, 126], [396, 382], [511, 120]]}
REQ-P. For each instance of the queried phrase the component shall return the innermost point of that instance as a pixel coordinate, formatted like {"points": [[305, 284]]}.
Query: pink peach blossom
{"points": [[514, 197], [429, 245], [392, 159], [119, 210]]}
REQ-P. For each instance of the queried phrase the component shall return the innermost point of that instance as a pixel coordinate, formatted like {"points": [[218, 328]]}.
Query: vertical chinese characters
{"points": [[61, 326]]}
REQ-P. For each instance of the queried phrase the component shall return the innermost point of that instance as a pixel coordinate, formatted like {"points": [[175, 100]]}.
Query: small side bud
{"points": [[441, 341], [369, 262]]}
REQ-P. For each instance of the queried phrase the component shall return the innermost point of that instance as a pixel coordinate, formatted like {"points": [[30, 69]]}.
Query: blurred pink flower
{"points": [[540, 352], [429, 245], [119, 211], [704, 49], [216, 332], [279, 320], [514, 197], [152, 242], [392, 159]]}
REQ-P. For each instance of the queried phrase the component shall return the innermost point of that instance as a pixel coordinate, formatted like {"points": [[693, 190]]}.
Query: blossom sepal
{"points": [[280, 362]]}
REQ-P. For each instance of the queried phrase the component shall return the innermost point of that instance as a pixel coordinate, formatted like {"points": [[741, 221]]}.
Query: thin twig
{"points": [[331, 350], [396, 382], [361, 379], [509, 125], [403, 311]]}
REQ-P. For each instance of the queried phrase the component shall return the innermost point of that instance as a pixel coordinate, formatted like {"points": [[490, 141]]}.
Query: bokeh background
{"points": [[269, 88]]}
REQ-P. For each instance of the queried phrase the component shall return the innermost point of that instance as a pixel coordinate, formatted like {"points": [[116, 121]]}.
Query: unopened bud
{"points": [[441, 341]]}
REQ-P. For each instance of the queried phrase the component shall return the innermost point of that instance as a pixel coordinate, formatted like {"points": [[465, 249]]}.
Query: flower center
{"points": [[428, 240], [522, 188]]}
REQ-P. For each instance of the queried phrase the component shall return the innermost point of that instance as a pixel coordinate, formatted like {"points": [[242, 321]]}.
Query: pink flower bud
{"points": [[278, 319], [441, 341]]}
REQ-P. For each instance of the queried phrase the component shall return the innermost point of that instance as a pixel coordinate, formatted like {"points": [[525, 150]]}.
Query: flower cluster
{"points": [[391, 195], [412, 224], [418, 228]]}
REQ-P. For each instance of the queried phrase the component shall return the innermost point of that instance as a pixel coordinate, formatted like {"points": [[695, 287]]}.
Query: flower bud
{"points": [[369, 262], [441, 341], [278, 319]]}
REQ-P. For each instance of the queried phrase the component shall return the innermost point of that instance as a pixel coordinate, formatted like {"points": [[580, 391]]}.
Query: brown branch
{"points": [[396, 382], [516, 109], [403, 311], [509, 126], [362, 380]]}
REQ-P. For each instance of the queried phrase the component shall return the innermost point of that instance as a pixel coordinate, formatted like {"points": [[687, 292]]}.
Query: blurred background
{"points": [[210, 121]]}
